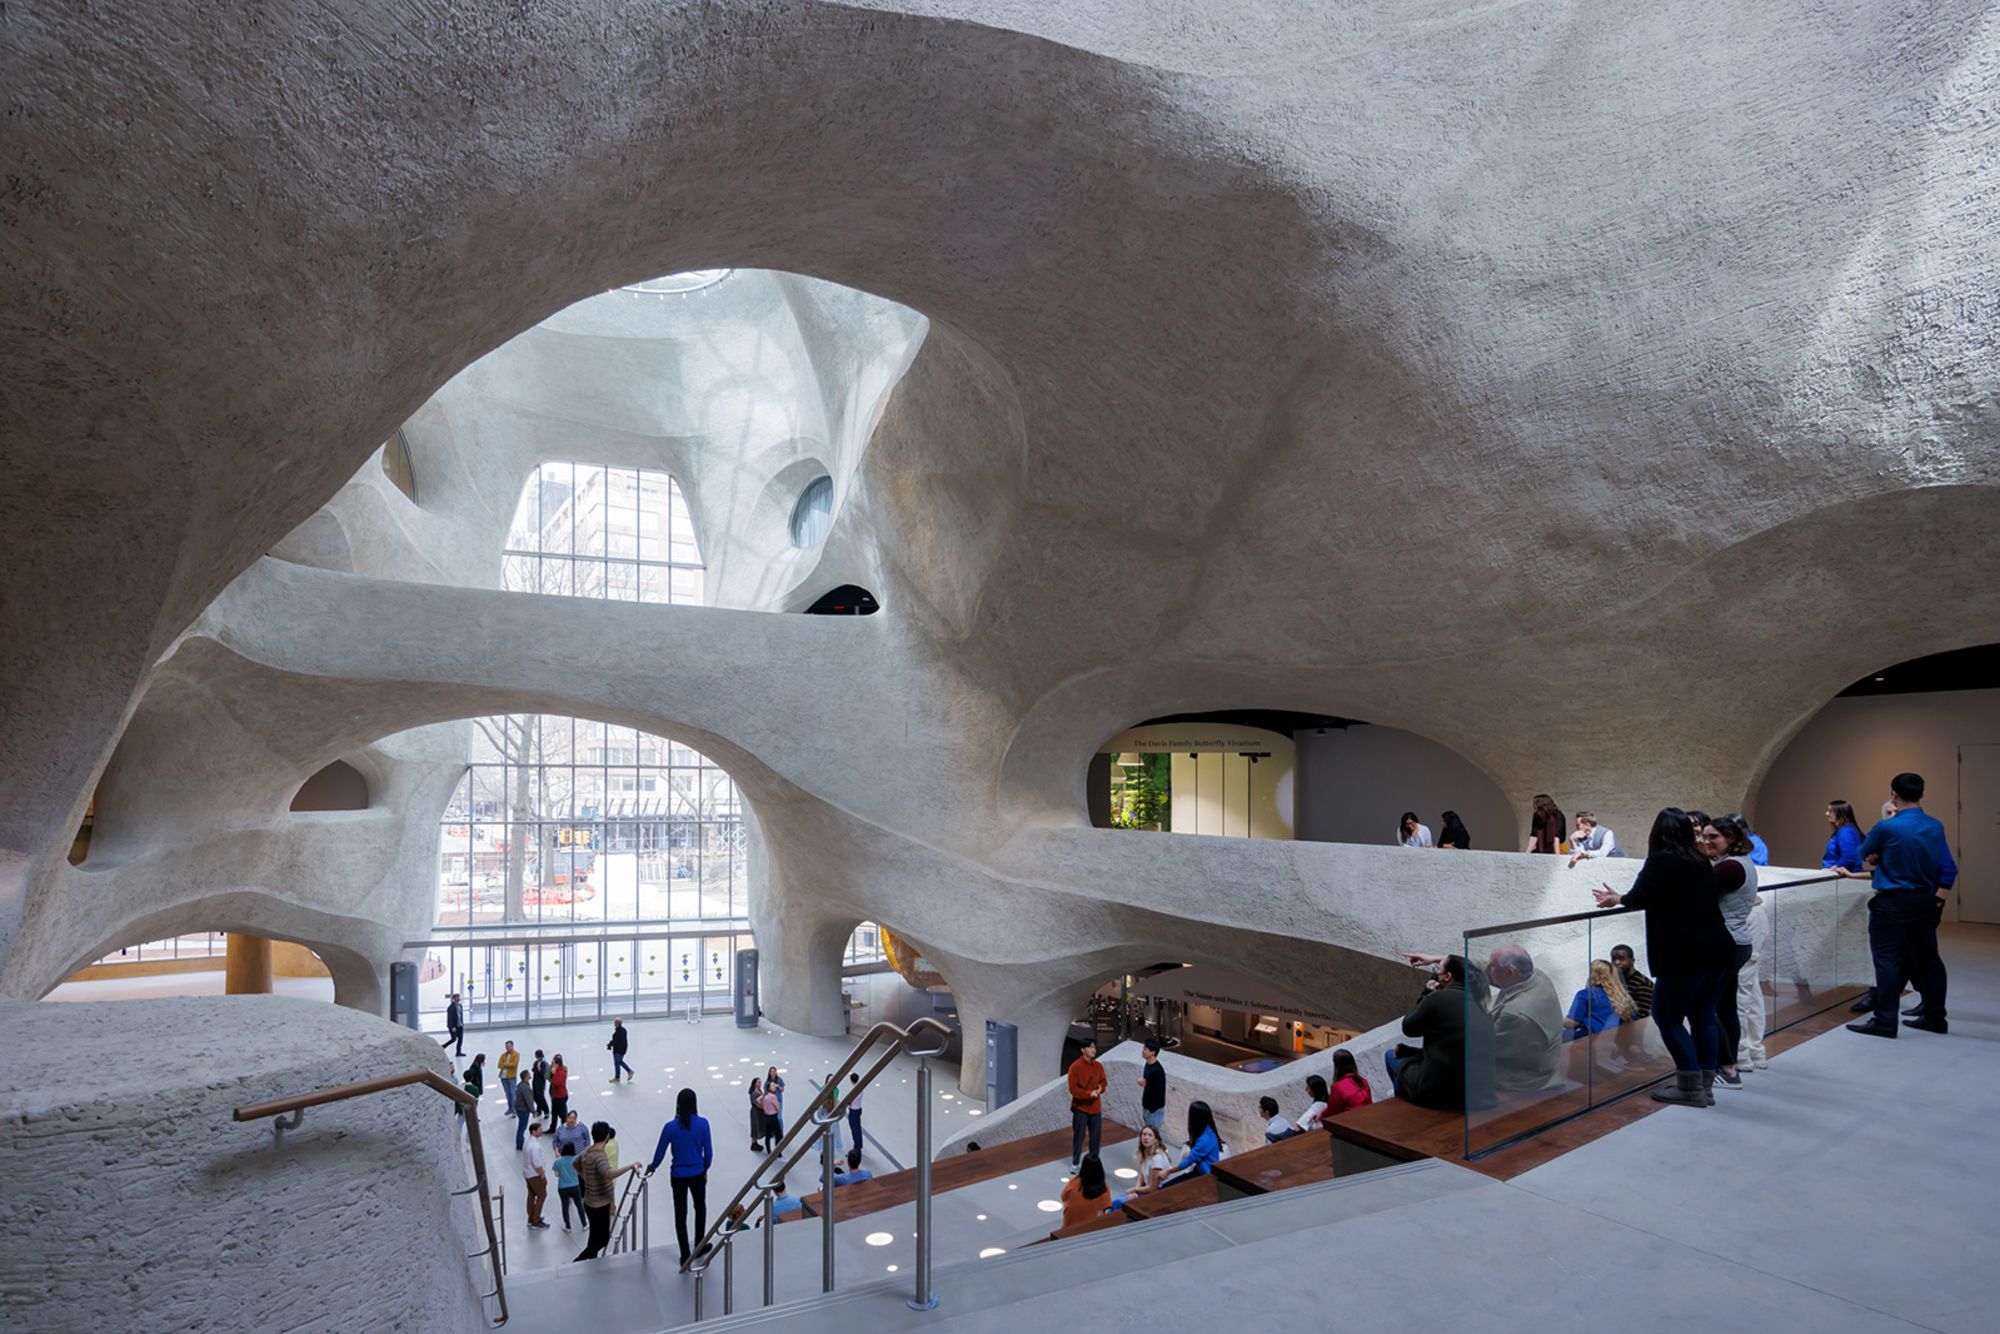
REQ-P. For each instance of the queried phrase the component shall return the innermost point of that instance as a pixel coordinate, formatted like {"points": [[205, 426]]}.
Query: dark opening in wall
{"points": [[80, 847], [338, 787], [396, 463], [1976, 668], [847, 600]]}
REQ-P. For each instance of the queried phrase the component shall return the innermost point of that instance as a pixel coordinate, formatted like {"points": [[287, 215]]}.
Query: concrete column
{"points": [[247, 969]]}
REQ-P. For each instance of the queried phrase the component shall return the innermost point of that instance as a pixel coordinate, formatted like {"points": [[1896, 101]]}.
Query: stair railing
{"points": [[468, 1105], [815, 1129], [632, 1221]]}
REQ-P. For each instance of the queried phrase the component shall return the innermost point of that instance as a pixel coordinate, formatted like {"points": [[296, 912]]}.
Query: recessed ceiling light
{"points": [[1880, 678]]}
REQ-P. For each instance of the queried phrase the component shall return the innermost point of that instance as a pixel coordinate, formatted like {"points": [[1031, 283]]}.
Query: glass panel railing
{"points": [[1565, 1031]]}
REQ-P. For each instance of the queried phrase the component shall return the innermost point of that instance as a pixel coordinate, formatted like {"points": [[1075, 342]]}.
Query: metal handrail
{"points": [[810, 1129], [469, 1103], [1614, 912], [632, 1221]]}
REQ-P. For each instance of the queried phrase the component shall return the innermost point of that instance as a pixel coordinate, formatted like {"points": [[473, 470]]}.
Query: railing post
{"points": [[923, 1299], [700, 1277], [826, 1210], [729, 1272], [770, 1248], [645, 1218]]}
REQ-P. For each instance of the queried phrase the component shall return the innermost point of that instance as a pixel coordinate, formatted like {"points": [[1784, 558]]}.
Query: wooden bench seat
{"points": [[1115, 1218], [1298, 1161], [1192, 1193], [965, 1169]]}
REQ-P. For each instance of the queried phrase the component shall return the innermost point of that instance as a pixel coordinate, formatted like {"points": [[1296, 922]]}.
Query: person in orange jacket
{"points": [[1086, 1108]]}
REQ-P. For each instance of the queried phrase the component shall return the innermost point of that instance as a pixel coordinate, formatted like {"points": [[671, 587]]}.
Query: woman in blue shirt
{"points": [[687, 1136], [1844, 848], [1204, 1145]]}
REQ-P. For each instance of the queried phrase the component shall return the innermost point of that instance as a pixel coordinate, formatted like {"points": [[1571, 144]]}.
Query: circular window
{"points": [[676, 284], [813, 515]]}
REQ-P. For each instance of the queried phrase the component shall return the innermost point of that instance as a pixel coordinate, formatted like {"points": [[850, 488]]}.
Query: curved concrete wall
{"points": [[136, 1203]]}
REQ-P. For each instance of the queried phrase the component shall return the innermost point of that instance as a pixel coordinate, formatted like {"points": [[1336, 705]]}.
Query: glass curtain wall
{"points": [[618, 533], [568, 820]]}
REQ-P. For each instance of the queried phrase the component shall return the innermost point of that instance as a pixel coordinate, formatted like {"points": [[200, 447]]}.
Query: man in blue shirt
{"points": [[1910, 865]]}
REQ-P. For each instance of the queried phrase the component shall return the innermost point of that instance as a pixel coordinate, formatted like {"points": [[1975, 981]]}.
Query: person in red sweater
{"points": [[1350, 1088], [559, 1088], [1086, 1108]]}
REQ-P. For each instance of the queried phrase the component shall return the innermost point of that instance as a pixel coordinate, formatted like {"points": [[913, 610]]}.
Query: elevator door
{"points": [[1979, 832]]}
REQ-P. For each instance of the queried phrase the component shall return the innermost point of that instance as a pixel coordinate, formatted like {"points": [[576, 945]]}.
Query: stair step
{"points": [[1037, 1270], [959, 1170]]}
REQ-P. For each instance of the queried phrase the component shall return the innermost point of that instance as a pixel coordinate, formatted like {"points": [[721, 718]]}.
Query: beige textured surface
{"points": [[1525, 379], [136, 1203]]}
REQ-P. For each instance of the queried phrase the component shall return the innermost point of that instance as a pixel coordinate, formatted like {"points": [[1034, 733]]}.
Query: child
{"points": [[567, 1186]]}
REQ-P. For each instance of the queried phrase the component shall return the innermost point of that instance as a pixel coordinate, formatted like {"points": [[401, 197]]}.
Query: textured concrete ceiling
{"points": [[1519, 377]]}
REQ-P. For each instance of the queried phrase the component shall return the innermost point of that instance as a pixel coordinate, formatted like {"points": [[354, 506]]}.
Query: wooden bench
{"points": [[1192, 1193], [965, 1169], [1298, 1161]]}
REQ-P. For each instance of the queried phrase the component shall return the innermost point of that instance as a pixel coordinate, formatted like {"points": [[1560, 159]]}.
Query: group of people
{"points": [[1488, 1030], [1414, 833], [1087, 1192]]}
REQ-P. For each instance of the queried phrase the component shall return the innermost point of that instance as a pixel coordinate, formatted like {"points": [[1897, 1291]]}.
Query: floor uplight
{"points": [[1049, 1206], [992, 1251], [879, 1238], [1125, 1174]]}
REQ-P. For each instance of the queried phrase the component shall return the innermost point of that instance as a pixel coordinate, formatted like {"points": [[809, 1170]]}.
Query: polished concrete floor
{"points": [[1848, 1187]]}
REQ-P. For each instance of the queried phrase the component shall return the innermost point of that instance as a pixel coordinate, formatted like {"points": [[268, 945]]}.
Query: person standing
{"points": [[617, 1047], [535, 1167], [774, 1120], [1548, 830], [686, 1135], [558, 1088], [1725, 841], [568, 1187], [524, 1108], [539, 1073], [854, 1119], [1843, 843], [600, 1180], [757, 1116], [774, 1084], [574, 1134], [1153, 1087], [510, 1071], [1086, 1108], [1690, 948], [454, 1025], [1912, 870], [475, 1076]]}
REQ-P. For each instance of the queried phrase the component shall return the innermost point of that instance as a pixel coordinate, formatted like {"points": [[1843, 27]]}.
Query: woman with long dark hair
{"points": [[1204, 1145], [1548, 830], [1085, 1195], [1452, 833], [1411, 832], [1350, 1088], [687, 1136], [1843, 844], [1690, 950]]}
